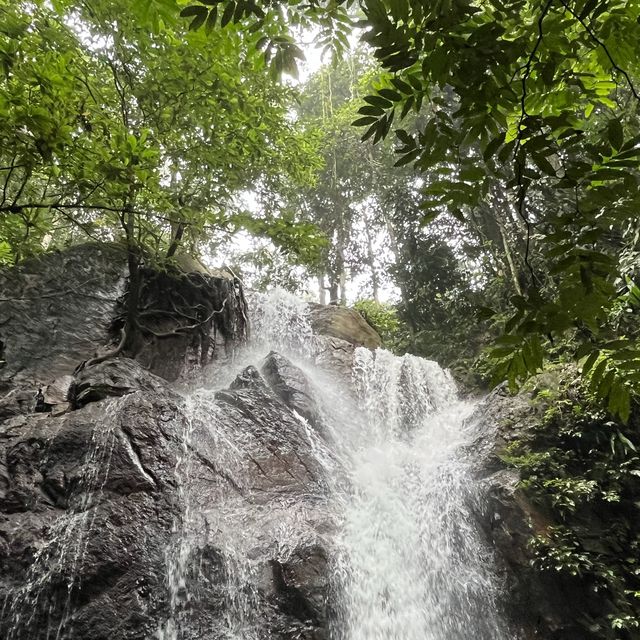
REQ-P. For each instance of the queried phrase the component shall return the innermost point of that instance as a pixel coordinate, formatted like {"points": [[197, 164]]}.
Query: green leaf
{"points": [[493, 146], [378, 101], [393, 96], [193, 10], [370, 110], [227, 15], [198, 21], [360, 122], [615, 134], [211, 20], [409, 157], [589, 362]]}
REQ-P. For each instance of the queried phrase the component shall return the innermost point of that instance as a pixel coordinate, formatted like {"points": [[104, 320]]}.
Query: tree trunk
{"points": [[343, 287], [371, 262], [340, 262], [322, 292], [333, 292]]}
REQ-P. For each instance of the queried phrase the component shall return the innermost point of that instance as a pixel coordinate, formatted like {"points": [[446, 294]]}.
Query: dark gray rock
{"points": [[90, 502], [302, 587], [291, 386], [281, 454], [540, 604], [18, 401], [87, 505], [55, 311], [113, 378]]}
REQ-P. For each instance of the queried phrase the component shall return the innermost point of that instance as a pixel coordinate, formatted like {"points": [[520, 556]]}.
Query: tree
{"points": [[114, 132], [536, 98]]}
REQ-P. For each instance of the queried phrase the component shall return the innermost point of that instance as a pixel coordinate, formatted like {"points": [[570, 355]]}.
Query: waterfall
{"points": [[408, 562], [417, 568], [286, 496]]}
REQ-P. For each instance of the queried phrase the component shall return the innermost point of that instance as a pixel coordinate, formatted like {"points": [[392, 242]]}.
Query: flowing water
{"points": [[382, 482], [59, 562], [408, 561]]}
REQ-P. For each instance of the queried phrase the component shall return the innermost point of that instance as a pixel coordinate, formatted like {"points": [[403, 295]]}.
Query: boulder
{"points": [[88, 499], [17, 401], [334, 356], [302, 584], [345, 324], [101, 506], [113, 378], [291, 386]]}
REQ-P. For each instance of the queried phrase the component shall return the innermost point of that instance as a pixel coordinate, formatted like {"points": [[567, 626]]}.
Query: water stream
{"points": [[407, 561], [377, 486]]}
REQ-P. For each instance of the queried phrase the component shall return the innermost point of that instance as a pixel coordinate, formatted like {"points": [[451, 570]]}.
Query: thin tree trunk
{"points": [[375, 282], [509, 259], [322, 292], [343, 287]]}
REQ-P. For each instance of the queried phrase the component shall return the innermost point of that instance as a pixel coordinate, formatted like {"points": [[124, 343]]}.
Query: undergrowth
{"points": [[582, 468]]}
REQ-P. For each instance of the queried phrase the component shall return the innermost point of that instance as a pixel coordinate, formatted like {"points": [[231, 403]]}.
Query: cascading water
{"points": [[408, 562], [416, 566], [287, 500]]}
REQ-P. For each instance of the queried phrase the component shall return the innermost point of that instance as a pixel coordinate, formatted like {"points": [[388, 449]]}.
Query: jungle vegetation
{"points": [[480, 159], [465, 171]]}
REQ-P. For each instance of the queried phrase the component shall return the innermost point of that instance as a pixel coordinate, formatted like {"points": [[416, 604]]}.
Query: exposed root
{"points": [[171, 304], [106, 356]]}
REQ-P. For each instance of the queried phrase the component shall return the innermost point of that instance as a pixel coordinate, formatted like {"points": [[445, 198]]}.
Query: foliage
{"points": [[529, 107], [536, 101], [583, 469], [147, 136], [384, 319]]}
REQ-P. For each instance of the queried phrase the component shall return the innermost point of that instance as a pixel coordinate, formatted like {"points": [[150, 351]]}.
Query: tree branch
{"points": [[603, 46]]}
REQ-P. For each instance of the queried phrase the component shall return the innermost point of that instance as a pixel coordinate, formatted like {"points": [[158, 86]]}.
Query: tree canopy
{"points": [[528, 136], [490, 175], [109, 129]]}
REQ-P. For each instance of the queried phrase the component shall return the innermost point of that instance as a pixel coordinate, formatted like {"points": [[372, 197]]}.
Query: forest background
{"points": [[467, 175]]}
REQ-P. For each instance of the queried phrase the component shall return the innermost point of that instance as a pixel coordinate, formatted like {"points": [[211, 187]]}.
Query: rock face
{"points": [[90, 502], [128, 510], [55, 311], [345, 324], [542, 605], [291, 386], [112, 378]]}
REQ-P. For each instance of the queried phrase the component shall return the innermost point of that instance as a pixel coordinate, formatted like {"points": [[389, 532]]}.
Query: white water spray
{"points": [[409, 563]]}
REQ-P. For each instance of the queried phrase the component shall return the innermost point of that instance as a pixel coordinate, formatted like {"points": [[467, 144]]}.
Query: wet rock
{"points": [[540, 604], [250, 378], [56, 310], [302, 586], [335, 356], [88, 499], [58, 391], [343, 323], [291, 386], [113, 378], [279, 456], [16, 402], [100, 484]]}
